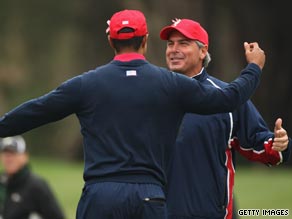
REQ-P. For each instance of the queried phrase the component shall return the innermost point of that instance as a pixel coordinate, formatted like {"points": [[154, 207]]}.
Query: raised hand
{"points": [[254, 54]]}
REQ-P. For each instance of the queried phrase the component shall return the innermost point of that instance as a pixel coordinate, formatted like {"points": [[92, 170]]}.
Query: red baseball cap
{"points": [[127, 18], [189, 28]]}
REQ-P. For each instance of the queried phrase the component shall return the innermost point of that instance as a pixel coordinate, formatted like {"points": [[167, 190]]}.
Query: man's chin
{"points": [[175, 69]]}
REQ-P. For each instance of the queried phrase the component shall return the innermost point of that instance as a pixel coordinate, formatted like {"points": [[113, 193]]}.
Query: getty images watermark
{"points": [[263, 212]]}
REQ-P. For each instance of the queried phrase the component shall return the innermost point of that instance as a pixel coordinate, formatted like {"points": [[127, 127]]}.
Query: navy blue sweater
{"points": [[129, 113]]}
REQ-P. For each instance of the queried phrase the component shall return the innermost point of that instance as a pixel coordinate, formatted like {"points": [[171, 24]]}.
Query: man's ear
{"points": [[143, 47], [110, 42], [144, 41], [204, 52]]}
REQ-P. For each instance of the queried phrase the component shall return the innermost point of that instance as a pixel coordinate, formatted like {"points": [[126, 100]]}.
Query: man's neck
{"points": [[196, 74], [130, 50]]}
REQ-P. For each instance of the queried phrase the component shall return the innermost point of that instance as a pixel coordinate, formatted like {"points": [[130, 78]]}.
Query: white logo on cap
{"points": [[125, 22], [108, 28], [176, 21]]}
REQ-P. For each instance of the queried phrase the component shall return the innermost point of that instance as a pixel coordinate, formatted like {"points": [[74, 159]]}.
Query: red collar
{"points": [[129, 57]]}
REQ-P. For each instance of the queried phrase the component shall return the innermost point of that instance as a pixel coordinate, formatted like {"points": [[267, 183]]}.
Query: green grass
{"points": [[256, 187], [65, 178], [260, 187]]}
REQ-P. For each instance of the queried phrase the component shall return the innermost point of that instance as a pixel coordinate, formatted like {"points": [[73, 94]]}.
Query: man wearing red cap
{"points": [[129, 111], [201, 172]]}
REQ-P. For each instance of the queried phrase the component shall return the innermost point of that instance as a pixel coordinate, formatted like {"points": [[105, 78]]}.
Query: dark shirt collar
{"points": [[201, 76]]}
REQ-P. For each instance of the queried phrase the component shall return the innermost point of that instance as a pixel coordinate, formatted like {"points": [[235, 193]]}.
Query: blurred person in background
{"points": [[23, 194], [201, 175]]}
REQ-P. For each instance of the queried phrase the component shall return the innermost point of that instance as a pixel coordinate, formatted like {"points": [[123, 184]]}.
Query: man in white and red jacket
{"points": [[201, 172]]}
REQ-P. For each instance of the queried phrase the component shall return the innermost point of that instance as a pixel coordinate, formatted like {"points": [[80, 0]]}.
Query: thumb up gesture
{"points": [[280, 137]]}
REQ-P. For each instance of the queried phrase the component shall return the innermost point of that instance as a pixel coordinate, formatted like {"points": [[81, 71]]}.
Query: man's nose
{"points": [[175, 47]]}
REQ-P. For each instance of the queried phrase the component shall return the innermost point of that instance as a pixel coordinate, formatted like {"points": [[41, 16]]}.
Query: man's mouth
{"points": [[175, 58]]}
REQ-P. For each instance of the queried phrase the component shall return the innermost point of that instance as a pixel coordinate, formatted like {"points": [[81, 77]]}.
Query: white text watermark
{"points": [[263, 212]]}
